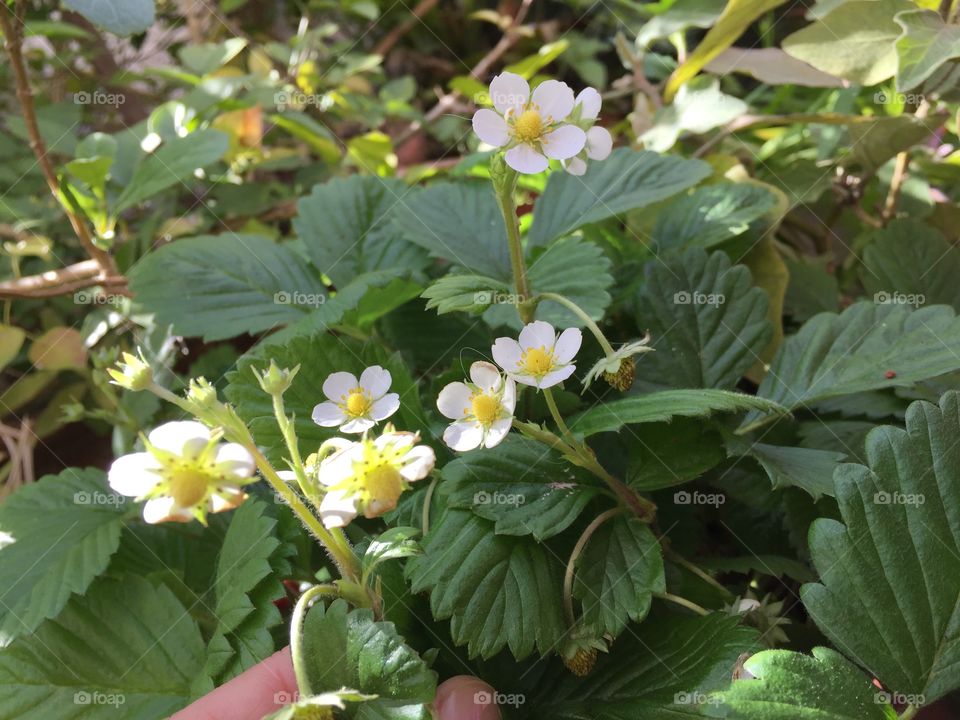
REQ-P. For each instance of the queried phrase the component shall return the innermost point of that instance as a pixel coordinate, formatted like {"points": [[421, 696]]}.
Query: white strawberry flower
{"points": [[540, 358], [368, 476], [482, 410], [356, 405], [185, 473], [531, 127], [599, 143]]}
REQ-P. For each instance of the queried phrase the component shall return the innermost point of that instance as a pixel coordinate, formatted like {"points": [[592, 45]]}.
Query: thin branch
{"points": [[13, 35], [394, 36], [61, 282], [479, 71]]}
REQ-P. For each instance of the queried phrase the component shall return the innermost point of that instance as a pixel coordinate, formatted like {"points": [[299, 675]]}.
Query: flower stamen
{"points": [[485, 408], [537, 361], [529, 126], [357, 403]]}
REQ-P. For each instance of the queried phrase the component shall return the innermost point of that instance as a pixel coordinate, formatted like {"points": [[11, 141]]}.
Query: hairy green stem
{"points": [[699, 572], [683, 602], [296, 633], [290, 439], [572, 561], [581, 313], [504, 191], [558, 418], [909, 712]]}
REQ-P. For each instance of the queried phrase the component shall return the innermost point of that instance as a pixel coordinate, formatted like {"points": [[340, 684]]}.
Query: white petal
{"points": [[338, 384], [491, 127], [418, 463], [397, 440], [385, 407], [186, 438], [163, 509], [463, 436], [338, 467], [526, 380], [497, 432], [599, 143], [376, 381], [525, 159], [568, 345], [133, 475], [557, 376], [506, 352], [357, 425], [337, 509], [575, 166], [509, 397], [234, 461], [538, 334], [554, 99], [226, 499], [509, 92], [328, 414], [589, 101], [454, 400], [564, 142], [485, 376]]}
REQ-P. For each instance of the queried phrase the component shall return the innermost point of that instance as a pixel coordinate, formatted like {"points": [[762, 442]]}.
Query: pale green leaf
{"points": [[123, 17], [926, 44], [854, 41]]}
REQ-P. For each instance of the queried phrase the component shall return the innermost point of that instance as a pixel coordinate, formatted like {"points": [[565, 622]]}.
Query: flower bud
{"points": [[132, 372], [276, 380]]}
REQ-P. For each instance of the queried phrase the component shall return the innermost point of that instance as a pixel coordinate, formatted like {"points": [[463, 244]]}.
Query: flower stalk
{"points": [[504, 180]]}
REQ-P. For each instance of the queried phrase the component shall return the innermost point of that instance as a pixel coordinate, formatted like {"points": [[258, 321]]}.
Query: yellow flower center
{"points": [[485, 408], [188, 486], [537, 361], [384, 485], [358, 403], [529, 126]]}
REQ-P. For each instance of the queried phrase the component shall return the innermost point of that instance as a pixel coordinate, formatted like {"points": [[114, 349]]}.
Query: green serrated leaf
{"points": [[619, 570], [525, 488], [711, 215], [661, 671], [866, 347], [220, 286], [173, 163], [348, 649], [56, 536], [576, 269], [490, 586], [346, 226], [662, 406], [911, 263], [810, 470], [792, 686], [459, 222], [889, 586], [707, 320], [245, 586], [627, 180], [464, 293], [125, 649]]}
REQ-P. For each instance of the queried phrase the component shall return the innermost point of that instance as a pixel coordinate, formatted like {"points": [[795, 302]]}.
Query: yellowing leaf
{"points": [[59, 348], [736, 17]]}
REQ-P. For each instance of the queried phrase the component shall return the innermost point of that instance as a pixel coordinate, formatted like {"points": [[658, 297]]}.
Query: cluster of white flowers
{"points": [[365, 476], [547, 124], [482, 410]]}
